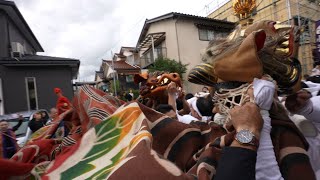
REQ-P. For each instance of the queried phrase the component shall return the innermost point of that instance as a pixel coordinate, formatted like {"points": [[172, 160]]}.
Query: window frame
{"points": [[28, 93], [207, 34], [131, 79]]}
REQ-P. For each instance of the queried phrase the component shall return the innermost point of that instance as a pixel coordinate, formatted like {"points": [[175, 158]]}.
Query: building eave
{"points": [[74, 64], [31, 38], [175, 15]]}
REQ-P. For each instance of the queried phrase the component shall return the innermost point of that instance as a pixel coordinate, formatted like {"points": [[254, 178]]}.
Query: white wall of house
{"points": [[167, 26], [191, 49], [185, 47]]}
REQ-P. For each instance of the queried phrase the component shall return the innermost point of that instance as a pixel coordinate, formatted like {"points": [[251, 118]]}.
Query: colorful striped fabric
{"points": [[136, 142]]}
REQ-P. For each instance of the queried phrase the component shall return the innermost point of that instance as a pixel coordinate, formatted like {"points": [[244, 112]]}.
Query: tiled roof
{"points": [[15, 15], [120, 55], [39, 57], [36, 60], [100, 74], [121, 65], [176, 15], [132, 49]]}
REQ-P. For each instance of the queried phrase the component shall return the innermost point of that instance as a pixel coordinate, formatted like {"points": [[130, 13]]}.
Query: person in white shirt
{"points": [[303, 103]]}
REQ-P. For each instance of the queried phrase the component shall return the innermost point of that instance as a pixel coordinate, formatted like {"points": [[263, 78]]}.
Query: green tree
{"points": [[169, 65]]}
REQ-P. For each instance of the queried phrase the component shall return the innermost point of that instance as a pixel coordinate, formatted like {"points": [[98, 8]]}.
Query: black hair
{"points": [[189, 96], [205, 88], [164, 108], [179, 104], [314, 79], [304, 85], [3, 120], [128, 97], [205, 105], [306, 76]]}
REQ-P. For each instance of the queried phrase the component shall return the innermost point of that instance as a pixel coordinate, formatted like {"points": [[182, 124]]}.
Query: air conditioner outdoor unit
{"points": [[17, 49]]}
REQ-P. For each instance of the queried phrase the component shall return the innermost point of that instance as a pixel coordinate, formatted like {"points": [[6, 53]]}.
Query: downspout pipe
{"points": [[177, 38], [9, 39], [289, 11], [153, 52]]}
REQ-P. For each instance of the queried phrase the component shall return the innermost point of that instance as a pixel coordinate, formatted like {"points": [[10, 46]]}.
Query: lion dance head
{"points": [[231, 64]]}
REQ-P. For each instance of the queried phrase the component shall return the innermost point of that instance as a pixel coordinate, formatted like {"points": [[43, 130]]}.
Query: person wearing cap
{"points": [[8, 142], [63, 104]]}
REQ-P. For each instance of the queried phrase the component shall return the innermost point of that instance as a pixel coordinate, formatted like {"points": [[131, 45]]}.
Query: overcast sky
{"points": [[89, 29]]}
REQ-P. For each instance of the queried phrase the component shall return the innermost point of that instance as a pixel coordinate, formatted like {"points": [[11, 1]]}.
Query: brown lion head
{"points": [[155, 84], [262, 48]]}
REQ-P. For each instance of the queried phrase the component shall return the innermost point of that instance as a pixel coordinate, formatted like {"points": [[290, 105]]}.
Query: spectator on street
{"points": [[8, 142], [44, 116], [128, 97], [36, 122], [131, 94], [52, 115]]}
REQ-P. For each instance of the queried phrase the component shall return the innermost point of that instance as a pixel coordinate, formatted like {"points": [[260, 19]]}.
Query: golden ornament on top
{"points": [[244, 7]]}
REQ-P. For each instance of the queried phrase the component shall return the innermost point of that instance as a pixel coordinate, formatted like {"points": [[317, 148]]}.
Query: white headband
{"points": [[194, 107]]}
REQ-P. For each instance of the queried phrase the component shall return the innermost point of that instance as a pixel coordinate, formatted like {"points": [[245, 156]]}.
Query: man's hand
{"points": [[181, 93], [247, 117], [297, 101], [172, 88], [20, 117]]}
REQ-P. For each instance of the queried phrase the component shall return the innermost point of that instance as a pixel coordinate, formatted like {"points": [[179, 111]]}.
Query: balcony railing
{"points": [[148, 57]]}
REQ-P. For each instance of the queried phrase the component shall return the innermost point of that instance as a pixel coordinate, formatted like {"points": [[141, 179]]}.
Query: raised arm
{"points": [[16, 127], [239, 160]]}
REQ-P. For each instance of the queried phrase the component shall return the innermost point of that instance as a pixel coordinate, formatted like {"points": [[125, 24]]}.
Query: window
{"points": [[305, 29], [129, 78], [130, 59], [32, 98], [160, 52], [206, 35], [209, 35]]}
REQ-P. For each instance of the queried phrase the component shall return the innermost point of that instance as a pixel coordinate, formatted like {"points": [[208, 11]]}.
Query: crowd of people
{"points": [[248, 122], [200, 107], [40, 119]]}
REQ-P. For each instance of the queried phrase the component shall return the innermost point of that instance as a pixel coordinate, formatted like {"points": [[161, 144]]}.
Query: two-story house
{"points": [[27, 80], [122, 68], [181, 37]]}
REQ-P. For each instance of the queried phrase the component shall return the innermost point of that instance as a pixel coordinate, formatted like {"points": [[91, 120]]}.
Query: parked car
{"points": [[24, 132]]}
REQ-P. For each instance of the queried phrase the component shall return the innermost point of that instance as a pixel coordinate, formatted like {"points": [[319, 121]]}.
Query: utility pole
{"points": [[153, 53], [114, 76], [289, 11]]}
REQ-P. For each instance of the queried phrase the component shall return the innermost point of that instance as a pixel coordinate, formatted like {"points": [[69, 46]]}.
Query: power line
{"points": [[131, 29], [120, 39]]}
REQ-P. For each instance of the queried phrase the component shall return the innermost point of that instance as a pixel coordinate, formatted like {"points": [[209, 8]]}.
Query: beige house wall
{"points": [[185, 47], [191, 49], [281, 11], [167, 26]]}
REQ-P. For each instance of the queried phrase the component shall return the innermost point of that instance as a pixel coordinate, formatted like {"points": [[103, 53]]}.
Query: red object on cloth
{"points": [[57, 90], [12, 169], [41, 148], [35, 152], [63, 104]]}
